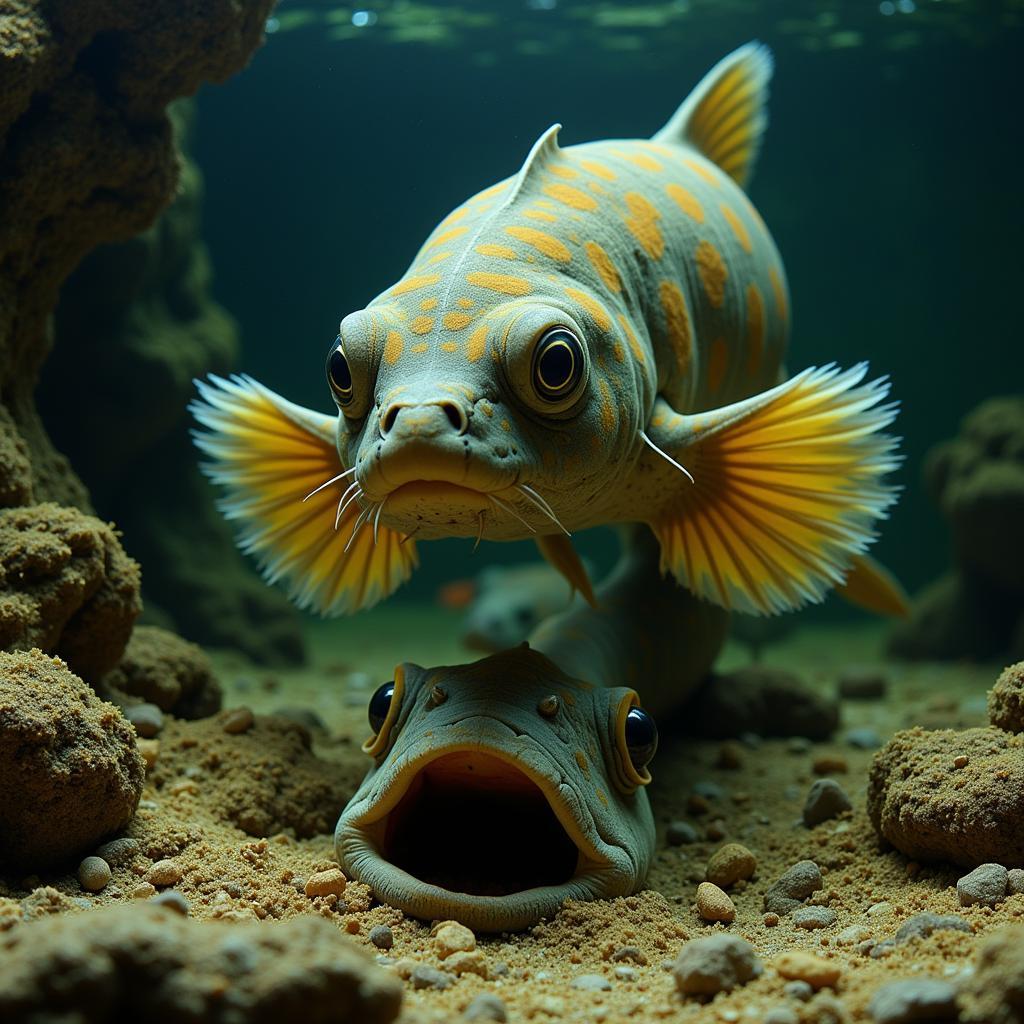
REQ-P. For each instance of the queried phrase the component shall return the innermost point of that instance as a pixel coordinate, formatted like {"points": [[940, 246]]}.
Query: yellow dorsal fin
{"points": [[787, 487], [725, 116], [871, 586], [561, 555], [283, 482]]}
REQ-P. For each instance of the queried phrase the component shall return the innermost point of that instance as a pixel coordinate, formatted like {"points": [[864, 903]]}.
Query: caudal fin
{"points": [[725, 116]]}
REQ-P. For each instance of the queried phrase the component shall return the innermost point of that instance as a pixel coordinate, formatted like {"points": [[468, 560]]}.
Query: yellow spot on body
{"points": [[644, 160], [601, 797], [477, 344], [686, 201], [718, 360], [713, 272], [703, 172], [449, 346], [428, 304], [456, 321], [598, 313], [486, 408], [677, 323], [421, 324], [541, 241], [755, 328], [643, 224], [581, 761], [569, 196], [619, 352], [503, 283], [503, 252], [602, 263], [634, 343], [465, 303], [419, 348], [446, 236], [738, 227], [393, 348], [779, 291], [505, 425], [455, 215], [607, 408], [561, 171], [488, 192], [598, 169], [539, 215], [411, 284], [439, 256]]}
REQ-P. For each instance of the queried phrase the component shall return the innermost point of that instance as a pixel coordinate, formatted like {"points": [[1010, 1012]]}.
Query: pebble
{"points": [[713, 904], [829, 764], [813, 917], [237, 720], [143, 891], [469, 961], [920, 926], [486, 1007], [164, 872], [118, 851], [452, 937], [862, 684], [798, 745], [680, 833], [985, 885], [425, 976], [331, 882], [709, 790], [717, 963], [150, 753], [730, 864], [382, 936], [852, 935], [730, 756], [630, 953], [793, 887], [863, 739], [93, 874], [780, 1015], [173, 900], [591, 983], [826, 799], [1015, 881], [624, 973], [798, 990], [148, 719], [798, 965], [917, 999]]}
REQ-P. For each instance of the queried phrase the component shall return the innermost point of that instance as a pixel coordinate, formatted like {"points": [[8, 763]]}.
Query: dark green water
{"points": [[890, 177]]}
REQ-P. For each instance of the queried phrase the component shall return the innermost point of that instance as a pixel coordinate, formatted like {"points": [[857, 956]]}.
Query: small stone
{"points": [[780, 1015], [680, 833], [630, 953], [331, 882], [143, 891], [798, 990], [697, 804], [862, 684], [920, 926], [826, 799], [716, 831], [729, 756], [237, 720], [625, 973], [173, 900], [119, 851], [150, 752], [986, 885], [730, 864], [913, 1000], [801, 966], [452, 937], [1006, 700], [813, 917], [1015, 881], [864, 739], [148, 719], [961, 761], [591, 983], [425, 976], [486, 1007], [852, 935], [164, 872], [829, 764], [93, 874], [880, 909], [771, 920], [714, 964], [470, 961], [793, 887], [708, 789], [382, 936], [713, 904], [798, 745]]}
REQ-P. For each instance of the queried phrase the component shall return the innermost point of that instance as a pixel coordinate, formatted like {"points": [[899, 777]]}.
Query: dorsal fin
{"points": [[725, 116], [544, 150]]}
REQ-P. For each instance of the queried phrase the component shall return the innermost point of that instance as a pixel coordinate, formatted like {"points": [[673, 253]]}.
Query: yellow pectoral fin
{"points": [[284, 486], [561, 555], [871, 586], [786, 489]]}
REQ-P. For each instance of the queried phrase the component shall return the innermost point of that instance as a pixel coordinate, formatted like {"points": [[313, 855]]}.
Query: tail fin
{"points": [[725, 116], [871, 586]]}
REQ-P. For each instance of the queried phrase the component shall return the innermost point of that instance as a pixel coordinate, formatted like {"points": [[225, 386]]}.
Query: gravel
{"points": [[148, 719], [93, 874], [331, 882], [730, 864], [918, 999], [591, 983], [813, 917], [793, 887], [486, 1007], [864, 739], [164, 872], [119, 851], [826, 799], [798, 965], [1015, 881], [452, 937], [425, 976], [680, 833], [986, 885], [715, 964], [172, 900], [382, 937], [713, 904], [920, 926]]}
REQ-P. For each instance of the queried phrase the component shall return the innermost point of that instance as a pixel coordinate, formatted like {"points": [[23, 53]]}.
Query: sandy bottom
{"points": [[193, 805]]}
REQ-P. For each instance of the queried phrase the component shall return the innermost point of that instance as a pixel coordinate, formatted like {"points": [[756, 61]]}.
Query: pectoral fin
{"points": [[561, 555], [871, 586], [787, 487], [283, 479]]}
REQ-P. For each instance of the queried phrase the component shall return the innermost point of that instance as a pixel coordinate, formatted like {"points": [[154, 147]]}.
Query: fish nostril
{"points": [[456, 416], [388, 420]]}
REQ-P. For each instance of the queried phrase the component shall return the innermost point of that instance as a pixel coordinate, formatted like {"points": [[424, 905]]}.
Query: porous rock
{"points": [[143, 962], [914, 1000], [994, 993], [826, 799], [920, 926], [730, 864], [971, 816], [715, 964], [792, 887], [986, 885], [70, 773], [1006, 699]]}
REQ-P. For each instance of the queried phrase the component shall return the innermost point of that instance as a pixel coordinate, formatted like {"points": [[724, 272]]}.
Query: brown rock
{"points": [[331, 882], [1006, 699], [798, 965], [730, 864], [713, 904], [994, 992], [451, 937]]}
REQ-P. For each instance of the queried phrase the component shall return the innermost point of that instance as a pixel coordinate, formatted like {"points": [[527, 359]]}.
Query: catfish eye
{"points": [[339, 374], [641, 738], [380, 704], [558, 364]]}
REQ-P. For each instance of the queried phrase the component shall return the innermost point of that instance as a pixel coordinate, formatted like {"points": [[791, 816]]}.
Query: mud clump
{"points": [[160, 668], [66, 587], [953, 796], [70, 773], [1006, 700], [149, 963]]}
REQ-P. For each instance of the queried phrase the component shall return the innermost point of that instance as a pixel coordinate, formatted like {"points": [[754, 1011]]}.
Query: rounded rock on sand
{"points": [[713, 904], [799, 965], [730, 864], [68, 763], [93, 874], [986, 885], [1006, 699], [717, 963], [826, 799], [793, 887], [915, 999]]}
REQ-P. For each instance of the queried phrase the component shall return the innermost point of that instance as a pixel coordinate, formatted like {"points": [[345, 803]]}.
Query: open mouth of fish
{"points": [[476, 836]]}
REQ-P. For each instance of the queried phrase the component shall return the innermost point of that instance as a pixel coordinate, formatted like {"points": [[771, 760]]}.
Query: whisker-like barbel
{"points": [[511, 511], [668, 458], [327, 483], [533, 497]]}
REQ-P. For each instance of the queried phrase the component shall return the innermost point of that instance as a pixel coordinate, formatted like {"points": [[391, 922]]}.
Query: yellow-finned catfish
{"points": [[597, 339]]}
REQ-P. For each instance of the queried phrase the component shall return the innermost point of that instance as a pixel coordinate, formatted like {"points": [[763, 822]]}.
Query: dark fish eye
{"points": [[641, 738], [339, 374], [380, 704], [558, 364]]}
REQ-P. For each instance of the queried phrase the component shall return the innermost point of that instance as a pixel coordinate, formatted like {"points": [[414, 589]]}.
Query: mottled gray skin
{"points": [[647, 633]]}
